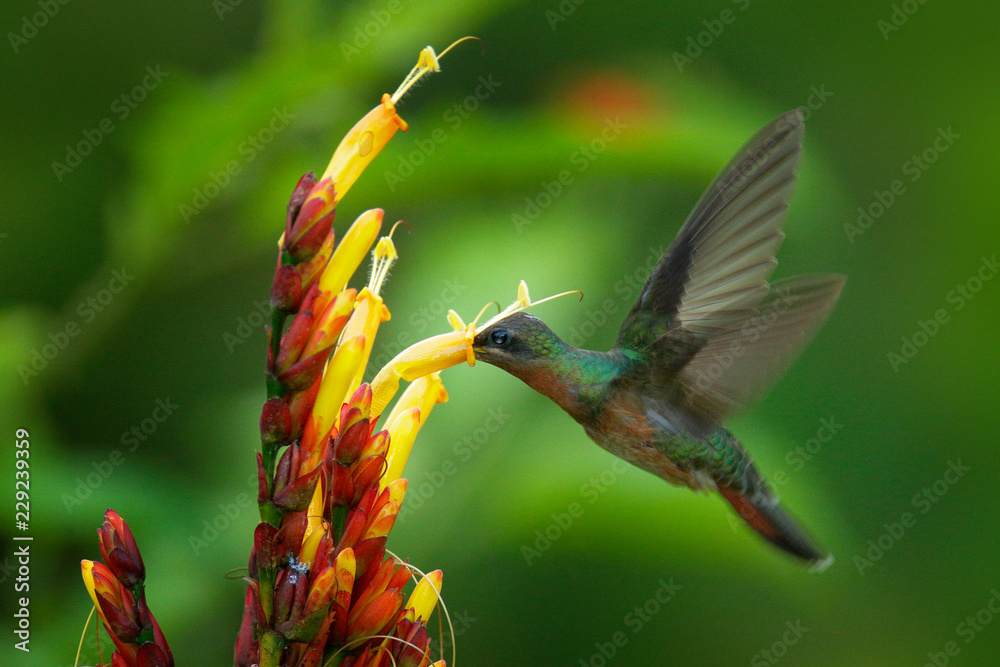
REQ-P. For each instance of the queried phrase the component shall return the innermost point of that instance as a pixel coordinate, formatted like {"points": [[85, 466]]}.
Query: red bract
{"points": [[117, 590], [119, 550]]}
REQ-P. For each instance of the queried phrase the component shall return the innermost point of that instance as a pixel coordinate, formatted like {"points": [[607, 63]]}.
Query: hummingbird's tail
{"points": [[761, 511]]}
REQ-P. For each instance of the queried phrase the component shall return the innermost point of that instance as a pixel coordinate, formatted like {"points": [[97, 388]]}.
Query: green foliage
{"points": [[497, 462]]}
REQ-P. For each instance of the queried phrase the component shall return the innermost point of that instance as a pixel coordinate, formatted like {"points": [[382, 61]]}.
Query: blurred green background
{"points": [[183, 328]]}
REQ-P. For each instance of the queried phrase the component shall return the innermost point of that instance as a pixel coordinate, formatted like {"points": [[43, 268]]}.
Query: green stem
{"points": [[267, 577], [271, 514], [338, 519], [271, 648], [277, 329], [269, 456], [268, 511]]}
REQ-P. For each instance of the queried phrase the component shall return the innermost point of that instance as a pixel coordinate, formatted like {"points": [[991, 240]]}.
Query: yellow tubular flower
{"points": [[369, 136], [361, 144], [337, 378], [103, 585], [397, 491], [87, 570], [346, 565], [369, 312], [425, 597], [428, 356], [402, 432], [423, 393], [351, 251], [314, 527], [369, 309]]}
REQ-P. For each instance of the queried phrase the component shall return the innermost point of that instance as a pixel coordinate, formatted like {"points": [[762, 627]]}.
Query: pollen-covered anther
{"points": [[428, 61], [383, 257]]}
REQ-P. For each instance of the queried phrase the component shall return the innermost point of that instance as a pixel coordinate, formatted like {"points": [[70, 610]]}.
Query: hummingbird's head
{"points": [[517, 343]]}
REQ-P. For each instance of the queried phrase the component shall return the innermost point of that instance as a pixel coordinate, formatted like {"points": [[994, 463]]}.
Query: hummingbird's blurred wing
{"points": [[715, 273], [737, 367], [714, 332]]}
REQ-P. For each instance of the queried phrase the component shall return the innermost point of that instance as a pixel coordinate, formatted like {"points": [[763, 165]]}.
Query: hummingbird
{"points": [[707, 335]]}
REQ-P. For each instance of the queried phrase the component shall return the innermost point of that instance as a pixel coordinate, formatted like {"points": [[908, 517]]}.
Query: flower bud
{"points": [[294, 341], [120, 551], [299, 194], [425, 596], [275, 422], [286, 291], [372, 618]]}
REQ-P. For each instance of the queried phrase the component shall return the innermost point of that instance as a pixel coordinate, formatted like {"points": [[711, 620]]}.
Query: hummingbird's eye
{"points": [[499, 337]]}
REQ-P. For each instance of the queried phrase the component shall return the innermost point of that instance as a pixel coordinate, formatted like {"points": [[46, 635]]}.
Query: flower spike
{"points": [[330, 488]]}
